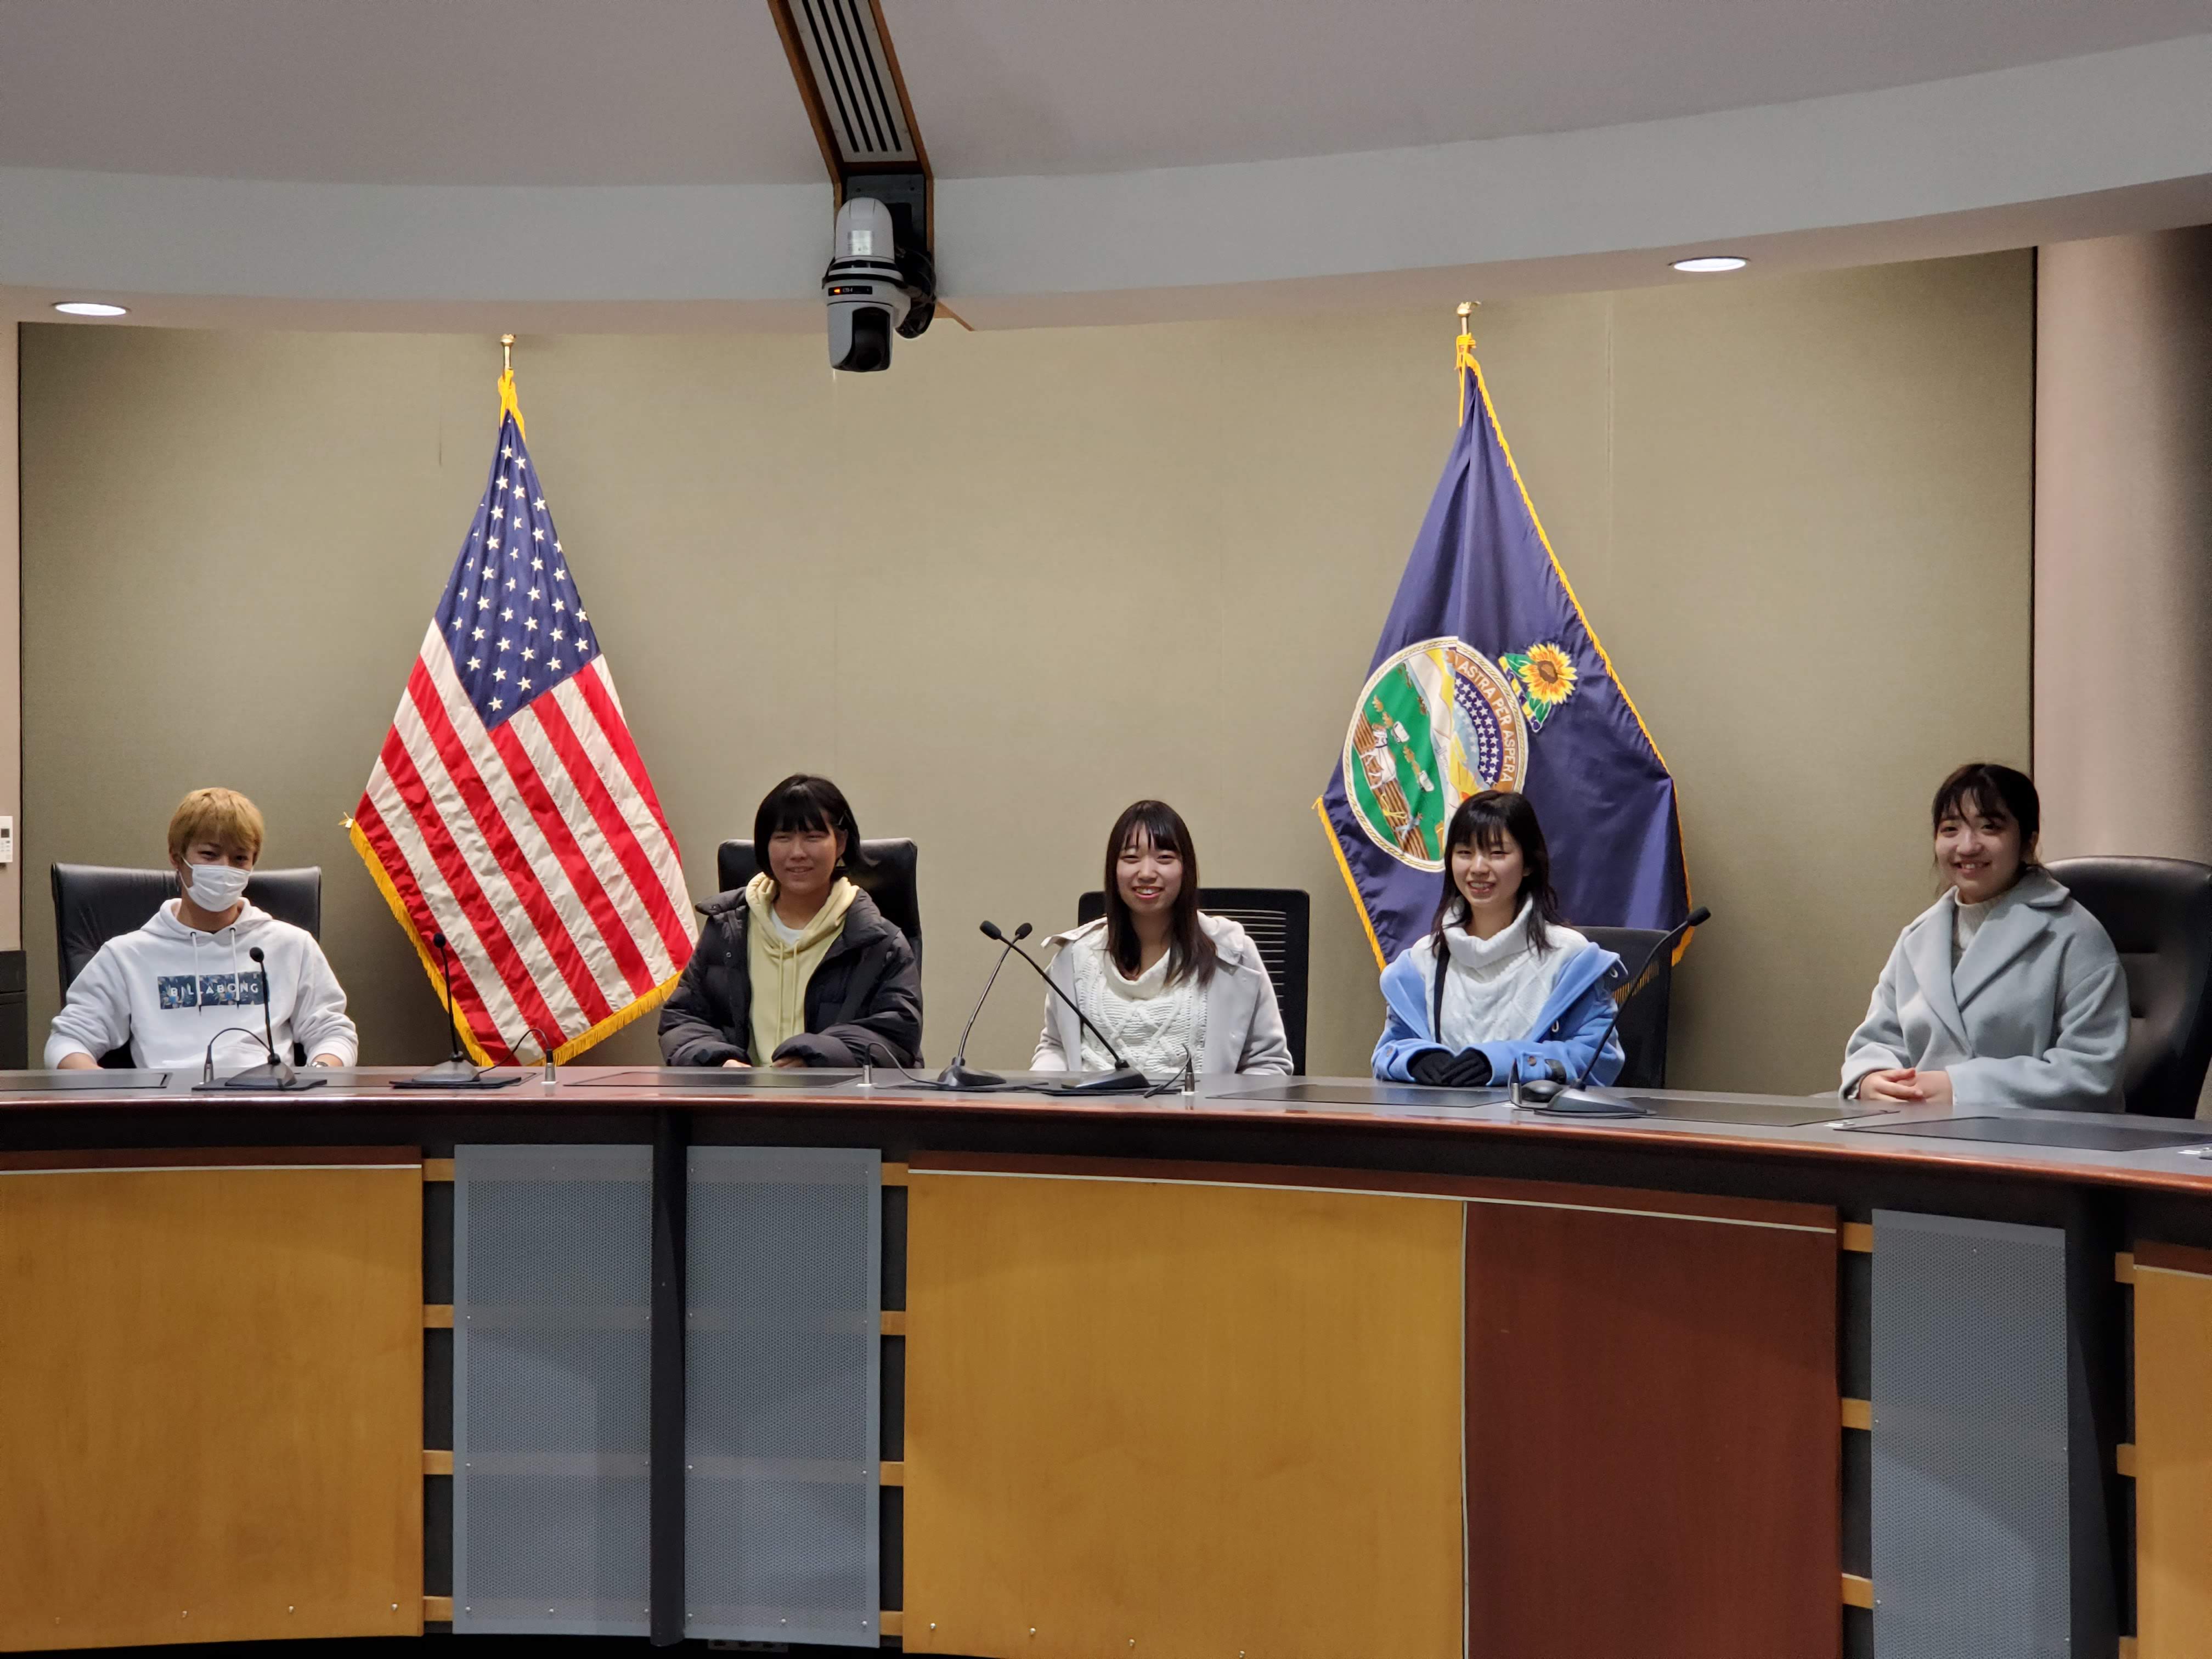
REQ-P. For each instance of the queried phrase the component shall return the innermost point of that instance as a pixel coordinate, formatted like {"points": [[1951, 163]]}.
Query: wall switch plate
{"points": [[7, 840]]}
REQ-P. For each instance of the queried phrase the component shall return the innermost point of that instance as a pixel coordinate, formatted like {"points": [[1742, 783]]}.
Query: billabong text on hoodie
{"points": [[167, 989]]}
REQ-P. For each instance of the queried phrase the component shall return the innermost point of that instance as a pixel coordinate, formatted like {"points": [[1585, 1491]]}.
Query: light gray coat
{"points": [[1243, 1025], [2034, 1014]]}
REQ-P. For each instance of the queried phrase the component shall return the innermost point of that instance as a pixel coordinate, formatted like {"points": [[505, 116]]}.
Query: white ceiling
{"points": [[1029, 86], [648, 163], [697, 92]]}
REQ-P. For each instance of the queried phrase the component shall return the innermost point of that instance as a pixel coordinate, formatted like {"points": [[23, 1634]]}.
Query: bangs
{"points": [[795, 811], [1484, 825], [1973, 798], [1152, 823], [223, 817]]}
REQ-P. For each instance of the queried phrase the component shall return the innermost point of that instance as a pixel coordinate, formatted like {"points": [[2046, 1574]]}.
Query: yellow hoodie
{"points": [[780, 972]]}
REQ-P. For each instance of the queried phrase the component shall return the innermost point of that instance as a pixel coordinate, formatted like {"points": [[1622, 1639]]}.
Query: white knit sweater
{"points": [[1151, 1022], [1495, 988]]}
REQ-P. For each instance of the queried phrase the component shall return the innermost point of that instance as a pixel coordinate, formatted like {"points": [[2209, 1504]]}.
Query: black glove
{"points": [[1442, 1069], [1470, 1069], [1430, 1065]]}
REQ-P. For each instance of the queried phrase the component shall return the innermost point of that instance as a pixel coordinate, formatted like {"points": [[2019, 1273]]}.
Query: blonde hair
{"points": [[222, 815]]}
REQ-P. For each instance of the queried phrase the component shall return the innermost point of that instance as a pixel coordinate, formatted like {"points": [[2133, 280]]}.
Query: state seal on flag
{"points": [[1436, 722]]}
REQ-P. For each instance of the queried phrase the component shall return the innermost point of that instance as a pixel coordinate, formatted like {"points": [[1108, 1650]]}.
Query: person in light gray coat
{"points": [[2005, 992]]}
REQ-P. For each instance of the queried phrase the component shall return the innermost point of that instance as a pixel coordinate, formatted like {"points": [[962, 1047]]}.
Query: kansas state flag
{"points": [[1487, 677]]}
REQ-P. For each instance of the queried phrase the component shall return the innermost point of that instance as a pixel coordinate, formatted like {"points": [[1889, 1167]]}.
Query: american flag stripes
{"points": [[509, 808]]}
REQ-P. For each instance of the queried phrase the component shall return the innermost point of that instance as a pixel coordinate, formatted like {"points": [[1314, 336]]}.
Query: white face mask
{"points": [[215, 887]]}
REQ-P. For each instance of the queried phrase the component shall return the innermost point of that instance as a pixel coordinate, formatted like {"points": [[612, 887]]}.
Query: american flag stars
{"points": [[536, 603]]}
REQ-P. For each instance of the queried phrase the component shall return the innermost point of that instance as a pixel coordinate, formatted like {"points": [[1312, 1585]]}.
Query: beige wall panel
{"points": [[211, 1405], [1026, 577], [2173, 1452], [1181, 1419]]}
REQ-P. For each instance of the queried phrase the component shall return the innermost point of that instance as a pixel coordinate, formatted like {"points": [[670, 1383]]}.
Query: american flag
{"points": [[509, 808]]}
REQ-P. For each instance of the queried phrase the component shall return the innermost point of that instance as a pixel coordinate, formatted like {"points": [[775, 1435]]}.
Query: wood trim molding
{"points": [[892, 1322], [2124, 1267], [437, 1315], [437, 1462], [437, 1609], [895, 1173], [2124, 1460], [1857, 1237], [1858, 1592], [787, 29], [891, 1475], [437, 1168], [1660, 1205], [1858, 1413], [2170, 1258], [891, 1622]]}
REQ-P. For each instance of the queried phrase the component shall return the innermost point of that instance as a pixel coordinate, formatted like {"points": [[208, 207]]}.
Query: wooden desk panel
{"points": [[2174, 1451], [210, 1397], [1654, 1464], [1200, 1419]]}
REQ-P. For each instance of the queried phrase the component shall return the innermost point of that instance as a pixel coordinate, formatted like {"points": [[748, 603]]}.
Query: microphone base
{"points": [[1576, 1103], [456, 1073], [961, 1075], [1127, 1081], [264, 1078]]}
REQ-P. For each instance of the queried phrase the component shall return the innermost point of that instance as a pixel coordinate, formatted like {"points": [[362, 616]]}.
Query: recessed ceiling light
{"points": [[1711, 262], [89, 308]]}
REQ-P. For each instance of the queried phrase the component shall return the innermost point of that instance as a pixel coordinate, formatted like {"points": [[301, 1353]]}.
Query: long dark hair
{"points": [[803, 801], [1487, 820], [1992, 792], [1190, 952]]}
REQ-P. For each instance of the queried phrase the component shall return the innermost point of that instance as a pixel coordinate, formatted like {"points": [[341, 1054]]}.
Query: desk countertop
{"points": [[1464, 1120]]}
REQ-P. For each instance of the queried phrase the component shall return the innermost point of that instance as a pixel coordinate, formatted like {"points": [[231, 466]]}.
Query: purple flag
{"points": [[1488, 677]]}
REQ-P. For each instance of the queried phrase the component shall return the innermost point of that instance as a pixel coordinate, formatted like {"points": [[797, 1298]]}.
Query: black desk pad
{"points": [[1778, 1114], [79, 1083], [1761, 1113], [2090, 1134], [734, 1080], [1368, 1094]]}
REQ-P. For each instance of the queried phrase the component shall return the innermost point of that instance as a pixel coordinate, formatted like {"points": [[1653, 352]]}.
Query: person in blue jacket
{"points": [[1501, 987]]}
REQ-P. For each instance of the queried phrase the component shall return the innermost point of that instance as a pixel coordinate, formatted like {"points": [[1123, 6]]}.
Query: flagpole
{"points": [[1463, 353], [507, 351]]}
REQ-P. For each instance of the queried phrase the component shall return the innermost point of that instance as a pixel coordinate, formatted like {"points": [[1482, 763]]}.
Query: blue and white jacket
{"points": [[1566, 1029]]}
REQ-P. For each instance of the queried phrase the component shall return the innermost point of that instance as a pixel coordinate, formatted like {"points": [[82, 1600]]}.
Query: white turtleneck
{"points": [[1495, 988], [1966, 922]]}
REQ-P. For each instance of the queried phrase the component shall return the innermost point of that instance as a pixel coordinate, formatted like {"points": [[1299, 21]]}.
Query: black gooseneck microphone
{"points": [[1562, 1101], [283, 1068], [958, 1073], [1124, 1078], [275, 1073], [457, 1070]]}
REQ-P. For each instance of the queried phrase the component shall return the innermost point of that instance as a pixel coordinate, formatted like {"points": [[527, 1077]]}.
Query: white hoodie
{"points": [[167, 989]]}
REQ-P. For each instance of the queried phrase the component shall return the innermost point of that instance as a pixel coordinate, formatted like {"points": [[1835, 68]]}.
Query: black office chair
{"points": [[96, 903], [2157, 912], [1643, 1028], [1281, 921], [888, 879]]}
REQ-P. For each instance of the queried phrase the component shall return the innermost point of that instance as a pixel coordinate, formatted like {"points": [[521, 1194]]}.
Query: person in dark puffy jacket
{"points": [[799, 967]]}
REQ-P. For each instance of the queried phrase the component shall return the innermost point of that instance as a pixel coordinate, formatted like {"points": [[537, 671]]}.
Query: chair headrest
{"points": [[887, 875], [96, 902]]}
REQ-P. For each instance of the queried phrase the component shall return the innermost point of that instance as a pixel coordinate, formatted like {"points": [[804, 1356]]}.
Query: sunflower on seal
{"points": [[1544, 675]]}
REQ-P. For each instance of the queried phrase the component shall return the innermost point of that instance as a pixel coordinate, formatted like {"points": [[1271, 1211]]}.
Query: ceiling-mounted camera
{"points": [[879, 282]]}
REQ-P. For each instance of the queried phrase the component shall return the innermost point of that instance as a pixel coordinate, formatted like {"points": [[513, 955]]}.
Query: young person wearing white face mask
{"points": [[1501, 987], [2005, 992], [1171, 984], [170, 989]]}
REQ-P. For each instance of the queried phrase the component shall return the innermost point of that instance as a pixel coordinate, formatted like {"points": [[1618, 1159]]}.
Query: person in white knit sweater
{"points": [[1501, 987], [1167, 982]]}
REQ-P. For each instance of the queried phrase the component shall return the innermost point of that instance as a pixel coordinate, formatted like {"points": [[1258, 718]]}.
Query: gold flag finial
{"points": [[1463, 351], [508, 403]]}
